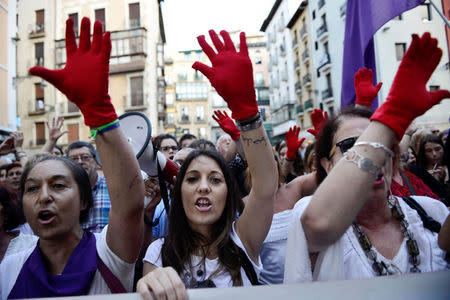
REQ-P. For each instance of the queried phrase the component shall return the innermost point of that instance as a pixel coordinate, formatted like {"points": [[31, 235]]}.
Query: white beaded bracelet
{"points": [[376, 146]]}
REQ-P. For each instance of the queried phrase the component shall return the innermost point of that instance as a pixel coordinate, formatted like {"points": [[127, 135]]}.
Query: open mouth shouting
{"points": [[203, 204], [46, 217]]}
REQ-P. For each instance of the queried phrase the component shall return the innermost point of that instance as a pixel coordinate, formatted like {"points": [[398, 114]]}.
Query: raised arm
{"points": [[341, 195], [87, 68], [54, 133], [231, 75], [292, 144]]}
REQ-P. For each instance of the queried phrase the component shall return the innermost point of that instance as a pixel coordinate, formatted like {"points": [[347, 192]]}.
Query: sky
{"points": [[184, 20]]}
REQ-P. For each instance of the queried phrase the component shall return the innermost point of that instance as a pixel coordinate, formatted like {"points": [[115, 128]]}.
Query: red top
{"points": [[421, 188]]}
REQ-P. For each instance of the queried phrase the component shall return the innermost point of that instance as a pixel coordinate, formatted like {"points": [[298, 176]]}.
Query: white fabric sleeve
{"points": [[153, 253], [121, 269], [434, 208]]}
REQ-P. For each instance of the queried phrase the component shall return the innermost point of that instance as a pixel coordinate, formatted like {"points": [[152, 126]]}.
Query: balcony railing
{"points": [[321, 3], [324, 61], [299, 109], [309, 104], [322, 29], [298, 85], [184, 119], [37, 31], [306, 79], [294, 42], [36, 107], [305, 55], [296, 63], [128, 50], [327, 93], [303, 32]]}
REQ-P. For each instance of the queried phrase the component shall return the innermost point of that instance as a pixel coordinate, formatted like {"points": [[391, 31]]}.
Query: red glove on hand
{"points": [[318, 120], [231, 73], [408, 97], [227, 124], [292, 142], [84, 79], [365, 91]]}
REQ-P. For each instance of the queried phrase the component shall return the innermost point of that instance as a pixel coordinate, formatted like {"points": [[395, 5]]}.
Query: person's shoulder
{"points": [[435, 208], [302, 204]]}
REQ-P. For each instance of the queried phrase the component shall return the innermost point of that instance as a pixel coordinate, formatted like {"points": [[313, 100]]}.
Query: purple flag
{"points": [[363, 19]]}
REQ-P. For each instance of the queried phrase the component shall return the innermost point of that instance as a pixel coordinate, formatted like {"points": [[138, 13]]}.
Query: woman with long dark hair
{"points": [[206, 246]]}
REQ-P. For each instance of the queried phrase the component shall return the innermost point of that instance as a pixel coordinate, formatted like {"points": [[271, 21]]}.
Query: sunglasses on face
{"points": [[167, 148], [344, 145]]}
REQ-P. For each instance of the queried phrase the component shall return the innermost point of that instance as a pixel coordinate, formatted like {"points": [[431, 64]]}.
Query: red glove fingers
{"points": [[227, 124], [365, 91], [231, 73], [292, 142], [408, 97], [84, 79], [318, 119]]}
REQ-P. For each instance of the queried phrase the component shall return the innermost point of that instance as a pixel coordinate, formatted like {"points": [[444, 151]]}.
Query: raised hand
{"points": [[227, 124], [7, 146], [292, 142], [84, 79], [54, 130], [18, 139], [408, 97], [231, 73], [365, 91], [318, 119]]}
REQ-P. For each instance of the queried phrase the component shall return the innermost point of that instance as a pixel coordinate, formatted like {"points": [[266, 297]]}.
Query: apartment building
{"points": [[305, 81], [136, 65], [281, 66], [8, 36], [187, 94]]}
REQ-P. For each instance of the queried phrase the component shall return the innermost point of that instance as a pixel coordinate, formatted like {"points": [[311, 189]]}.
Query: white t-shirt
{"points": [[21, 243], [124, 271], [345, 259], [223, 279]]}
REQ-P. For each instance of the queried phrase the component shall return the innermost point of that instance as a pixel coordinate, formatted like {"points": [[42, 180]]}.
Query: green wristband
{"points": [[94, 132]]}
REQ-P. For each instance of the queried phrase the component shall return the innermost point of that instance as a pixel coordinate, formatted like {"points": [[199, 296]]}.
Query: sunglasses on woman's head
{"points": [[344, 145]]}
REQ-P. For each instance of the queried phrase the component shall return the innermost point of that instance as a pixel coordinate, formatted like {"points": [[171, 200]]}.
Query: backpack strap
{"points": [[428, 222], [411, 189], [248, 267], [111, 280]]}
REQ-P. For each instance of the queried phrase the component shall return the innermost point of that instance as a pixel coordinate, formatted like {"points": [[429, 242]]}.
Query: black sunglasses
{"points": [[344, 145]]}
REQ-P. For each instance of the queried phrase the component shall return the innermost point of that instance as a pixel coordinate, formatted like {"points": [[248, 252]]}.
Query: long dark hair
{"points": [[12, 210], [324, 142], [78, 173], [429, 138], [182, 242]]}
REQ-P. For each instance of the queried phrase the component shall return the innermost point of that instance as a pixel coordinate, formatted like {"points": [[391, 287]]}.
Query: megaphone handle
{"points": [[163, 188]]}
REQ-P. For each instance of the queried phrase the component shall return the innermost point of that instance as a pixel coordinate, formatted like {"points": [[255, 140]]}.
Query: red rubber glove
{"points": [[231, 73], [292, 142], [84, 79], [365, 91], [318, 120], [227, 124], [408, 97]]}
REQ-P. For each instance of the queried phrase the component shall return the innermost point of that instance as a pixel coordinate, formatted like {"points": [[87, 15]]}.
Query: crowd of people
{"points": [[367, 195]]}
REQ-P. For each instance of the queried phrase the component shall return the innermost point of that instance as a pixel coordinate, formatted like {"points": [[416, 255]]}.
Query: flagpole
{"points": [[440, 14]]}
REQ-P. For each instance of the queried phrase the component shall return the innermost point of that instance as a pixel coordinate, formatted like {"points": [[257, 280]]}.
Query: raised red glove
{"points": [[227, 124], [84, 79], [231, 73], [365, 91], [408, 97], [292, 142], [318, 119]]}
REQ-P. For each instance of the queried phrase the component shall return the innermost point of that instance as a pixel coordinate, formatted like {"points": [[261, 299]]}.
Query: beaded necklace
{"points": [[379, 266]]}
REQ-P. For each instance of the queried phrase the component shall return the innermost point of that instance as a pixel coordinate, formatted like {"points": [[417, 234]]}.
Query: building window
{"points": [[170, 118], [39, 92], [425, 12], [135, 15], [259, 78], [398, 18], [169, 99], [137, 90], [100, 16], [72, 108], [201, 132], [187, 56], [316, 45], [40, 21], [74, 18], [263, 114], [39, 53], [191, 90], [184, 114], [40, 133], [198, 75], [400, 49], [258, 60], [73, 133], [314, 14], [200, 113], [434, 88]]}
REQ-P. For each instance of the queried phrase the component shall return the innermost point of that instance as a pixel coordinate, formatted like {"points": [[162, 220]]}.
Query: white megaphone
{"points": [[138, 130]]}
